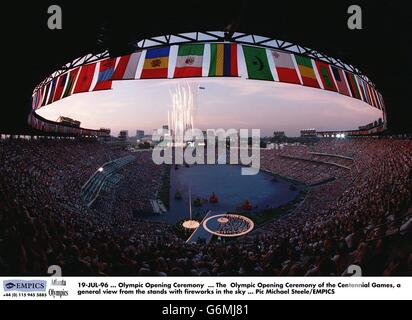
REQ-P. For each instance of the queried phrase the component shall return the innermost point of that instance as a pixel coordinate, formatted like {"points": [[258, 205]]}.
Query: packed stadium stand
{"points": [[358, 211], [103, 178]]}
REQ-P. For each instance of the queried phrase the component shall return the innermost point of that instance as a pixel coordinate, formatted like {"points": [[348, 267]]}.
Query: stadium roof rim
{"points": [[210, 37]]}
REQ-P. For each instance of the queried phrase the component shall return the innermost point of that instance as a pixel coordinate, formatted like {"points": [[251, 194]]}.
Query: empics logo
{"points": [[9, 285], [25, 285]]}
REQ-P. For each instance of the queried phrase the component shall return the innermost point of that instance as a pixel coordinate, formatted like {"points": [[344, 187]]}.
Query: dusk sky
{"points": [[225, 103]]}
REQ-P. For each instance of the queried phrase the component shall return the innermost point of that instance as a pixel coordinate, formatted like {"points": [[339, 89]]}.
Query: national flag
{"points": [[85, 78], [340, 80], [374, 98], [34, 100], [46, 94], [307, 72], [378, 100], [156, 63], [52, 90], [368, 92], [285, 67], [257, 63], [127, 66], [223, 60], [61, 83], [43, 97], [362, 94], [353, 86], [364, 91], [189, 61], [40, 97], [70, 82], [380, 105], [325, 75], [106, 70], [381, 101], [37, 98]]}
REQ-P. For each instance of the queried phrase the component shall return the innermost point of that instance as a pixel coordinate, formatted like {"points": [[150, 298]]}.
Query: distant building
{"points": [[279, 135], [163, 131], [308, 133], [139, 134], [123, 136], [69, 122], [105, 137]]}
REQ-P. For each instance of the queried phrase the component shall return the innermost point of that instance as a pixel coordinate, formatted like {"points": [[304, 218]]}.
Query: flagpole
{"points": [[190, 203]]}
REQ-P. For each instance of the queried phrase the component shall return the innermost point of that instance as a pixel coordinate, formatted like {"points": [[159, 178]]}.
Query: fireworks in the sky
{"points": [[180, 117]]}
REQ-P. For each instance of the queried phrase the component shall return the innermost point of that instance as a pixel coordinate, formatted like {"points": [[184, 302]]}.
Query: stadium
{"points": [[76, 195]]}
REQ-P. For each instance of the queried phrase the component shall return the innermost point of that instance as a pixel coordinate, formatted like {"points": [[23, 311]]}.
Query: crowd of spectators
{"points": [[140, 183], [298, 163], [356, 219], [362, 216]]}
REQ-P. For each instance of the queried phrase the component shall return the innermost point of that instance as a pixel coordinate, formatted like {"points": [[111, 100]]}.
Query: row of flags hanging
{"points": [[260, 63]]}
